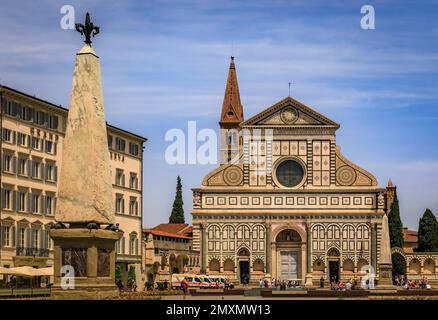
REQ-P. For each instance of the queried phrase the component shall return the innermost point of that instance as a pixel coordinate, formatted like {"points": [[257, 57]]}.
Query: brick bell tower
{"points": [[231, 117]]}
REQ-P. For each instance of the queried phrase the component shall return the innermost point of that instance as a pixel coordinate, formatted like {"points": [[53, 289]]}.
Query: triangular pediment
{"points": [[291, 113]]}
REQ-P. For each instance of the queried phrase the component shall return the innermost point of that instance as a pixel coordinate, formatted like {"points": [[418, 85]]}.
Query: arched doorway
{"points": [[415, 266], [318, 266], [333, 257], [228, 265], [398, 265], [429, 266], [348, 266], [214, 266], [288, 244], [182, 262], [173, 268], [258, 266], [244, 270]]}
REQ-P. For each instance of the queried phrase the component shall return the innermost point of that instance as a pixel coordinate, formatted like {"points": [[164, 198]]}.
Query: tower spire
{"points": [[232, 110]]}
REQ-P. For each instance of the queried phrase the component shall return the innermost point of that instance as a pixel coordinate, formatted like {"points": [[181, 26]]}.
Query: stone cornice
{"points": [[270, 217], [256, 191]]}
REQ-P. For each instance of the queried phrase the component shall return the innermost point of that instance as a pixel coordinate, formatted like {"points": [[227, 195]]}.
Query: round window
{"points": [[289, 173]]}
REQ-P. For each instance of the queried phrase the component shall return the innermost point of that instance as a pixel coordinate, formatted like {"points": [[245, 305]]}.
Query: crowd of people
{"points": [[366, 283], [279, 284], [405, 283], [351, 284]]}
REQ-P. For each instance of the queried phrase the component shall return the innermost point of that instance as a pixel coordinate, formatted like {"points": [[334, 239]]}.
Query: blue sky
{"points": [[165, 63]]}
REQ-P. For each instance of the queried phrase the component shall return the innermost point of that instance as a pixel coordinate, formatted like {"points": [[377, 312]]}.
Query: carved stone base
{"points": [[309, 281], [84, 264], [385, 277]]}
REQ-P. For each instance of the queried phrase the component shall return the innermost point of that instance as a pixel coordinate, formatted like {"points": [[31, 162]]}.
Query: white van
{"points": [[176, 280], [224, 282]]}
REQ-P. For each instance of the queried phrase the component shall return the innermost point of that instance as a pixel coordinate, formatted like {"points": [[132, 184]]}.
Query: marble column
{"points": [[308, 278], [268, 248], [274, 260], [203, 251]]}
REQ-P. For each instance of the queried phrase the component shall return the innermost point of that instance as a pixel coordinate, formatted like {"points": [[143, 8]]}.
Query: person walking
{"points": [[261, 283], [184, 285]]}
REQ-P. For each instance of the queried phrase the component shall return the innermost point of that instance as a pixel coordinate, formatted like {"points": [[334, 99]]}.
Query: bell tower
{"points": [[390, 195], [231, 117]]}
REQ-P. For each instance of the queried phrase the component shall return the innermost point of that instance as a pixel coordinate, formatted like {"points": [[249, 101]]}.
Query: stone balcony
{"points": [[31, 252]]}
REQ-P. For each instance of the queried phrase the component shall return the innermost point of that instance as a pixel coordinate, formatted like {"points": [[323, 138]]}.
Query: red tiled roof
{"points": [[410, 235], [175, 230]]}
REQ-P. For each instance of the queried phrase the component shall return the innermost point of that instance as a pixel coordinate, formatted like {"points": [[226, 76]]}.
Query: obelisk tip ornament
{"points": [[85, 188], [88, 29]]}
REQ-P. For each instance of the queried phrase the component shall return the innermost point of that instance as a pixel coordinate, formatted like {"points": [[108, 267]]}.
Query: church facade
{"points": [[285, 202]]}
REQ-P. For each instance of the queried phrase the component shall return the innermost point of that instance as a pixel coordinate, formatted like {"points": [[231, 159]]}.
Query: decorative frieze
{"points": [[296, 201]]}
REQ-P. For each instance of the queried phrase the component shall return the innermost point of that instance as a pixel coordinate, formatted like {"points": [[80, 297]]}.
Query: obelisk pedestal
{"points": [[85, 235], [91, 255]]}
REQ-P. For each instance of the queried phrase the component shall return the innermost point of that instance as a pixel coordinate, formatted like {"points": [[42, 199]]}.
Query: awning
{"points": [[7, 271], [49, 271], [27, 271]]}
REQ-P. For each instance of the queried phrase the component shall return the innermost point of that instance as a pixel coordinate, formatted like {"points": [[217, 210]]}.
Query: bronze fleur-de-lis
{"points": [[88, 29]]}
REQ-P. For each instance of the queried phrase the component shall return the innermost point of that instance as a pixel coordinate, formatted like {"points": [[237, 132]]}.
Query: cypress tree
{"points": [[395, 225], [428, 232], [177, 215], [396, 238]]}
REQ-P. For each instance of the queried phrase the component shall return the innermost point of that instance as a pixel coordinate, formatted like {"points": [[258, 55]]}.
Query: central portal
{"points": [[333, 258], [334, 270], [288, 246], [288, 265], [244, 270]]}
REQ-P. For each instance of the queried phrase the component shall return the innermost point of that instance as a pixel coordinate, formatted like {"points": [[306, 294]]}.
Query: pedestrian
{"points": [[184, 285], [261, 283], [321, 282]]}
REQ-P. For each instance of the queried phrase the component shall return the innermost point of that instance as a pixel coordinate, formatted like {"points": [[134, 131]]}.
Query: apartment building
{"points": [[32, 135]]}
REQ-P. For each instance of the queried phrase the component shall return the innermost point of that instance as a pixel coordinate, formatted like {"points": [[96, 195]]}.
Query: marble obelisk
{"points": [[85, 189], [84, 234], [385, 261]]}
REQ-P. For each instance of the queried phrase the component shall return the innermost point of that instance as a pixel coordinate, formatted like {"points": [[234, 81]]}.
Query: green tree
{"points": [[428, 233], [177, 215], [395, 225], [396, 238], [131, 276], [118, 273], [398, 265]]}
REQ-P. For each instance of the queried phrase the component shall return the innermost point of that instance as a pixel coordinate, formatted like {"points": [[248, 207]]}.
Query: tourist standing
{"points": [[184, 285]]}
